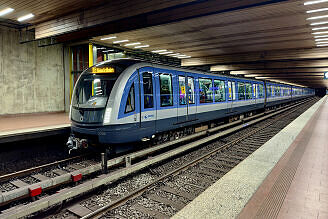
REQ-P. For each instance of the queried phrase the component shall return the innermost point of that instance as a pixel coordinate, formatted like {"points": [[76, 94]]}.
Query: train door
{"points": [[182, 98], [265, 92], [186, 98], [255, 90], [191, 103], [231, 96], [148, 112]]}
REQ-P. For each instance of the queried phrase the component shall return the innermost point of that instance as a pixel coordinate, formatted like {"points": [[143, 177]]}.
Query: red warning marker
{"points": [[35, 190], [76, 177]]}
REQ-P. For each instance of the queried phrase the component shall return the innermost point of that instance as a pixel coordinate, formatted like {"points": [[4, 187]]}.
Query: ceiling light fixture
{"points": [[108, 38], [165, 53], [322, 32], [183, 57], [251, 76], [262, 77], [160, 50], [323, 39], [6, 11], [320, 28], [314, 2], [322, 44], [319, 23], [142, 46], [317, 17], [25, 17], [121, 41], [317, 10], [238, 72], [175, 54], [322, 36], [132, 44]]}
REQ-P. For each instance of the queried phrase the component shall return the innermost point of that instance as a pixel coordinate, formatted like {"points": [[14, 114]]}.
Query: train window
{"points": [[191, 90], [241, 91], [147, 80], [255, 94], [182, 90], [205, 90], [261, 93], [130, 104], [219, 91], [248, 91], [166, 89]]}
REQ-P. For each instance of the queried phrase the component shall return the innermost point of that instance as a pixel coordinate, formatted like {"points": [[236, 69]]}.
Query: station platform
{"points": [[29, 126], [286, 178]]}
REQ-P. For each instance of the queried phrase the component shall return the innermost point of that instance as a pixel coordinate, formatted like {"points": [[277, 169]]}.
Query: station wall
{"points": [[31, 77]]}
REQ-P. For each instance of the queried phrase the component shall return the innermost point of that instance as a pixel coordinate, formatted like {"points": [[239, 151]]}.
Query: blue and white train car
{"points": [[128, 100]]}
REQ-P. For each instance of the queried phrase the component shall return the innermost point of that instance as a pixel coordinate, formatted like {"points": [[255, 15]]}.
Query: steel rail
{"points": [[32, 169]]}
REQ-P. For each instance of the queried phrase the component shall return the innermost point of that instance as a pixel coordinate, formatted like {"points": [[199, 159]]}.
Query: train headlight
{"points": [[107, 115]]}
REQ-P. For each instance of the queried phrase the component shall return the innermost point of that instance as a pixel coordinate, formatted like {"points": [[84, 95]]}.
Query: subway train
{"points": [[127, 100]]}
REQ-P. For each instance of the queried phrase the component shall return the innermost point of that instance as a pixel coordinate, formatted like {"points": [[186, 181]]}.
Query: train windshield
{"points": [[92, 91]]}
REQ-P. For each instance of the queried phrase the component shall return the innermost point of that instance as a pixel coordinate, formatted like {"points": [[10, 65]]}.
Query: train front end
{"points": [[89, 107]]}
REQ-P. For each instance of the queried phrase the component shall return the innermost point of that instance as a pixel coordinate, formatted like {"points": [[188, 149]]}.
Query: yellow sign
{"points": [[183, 89], [103, 70]]}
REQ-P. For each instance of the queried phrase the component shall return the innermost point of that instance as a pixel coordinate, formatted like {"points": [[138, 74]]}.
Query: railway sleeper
{"points": [[175, 204], [201, 180], [189, 196], [151, 212]]}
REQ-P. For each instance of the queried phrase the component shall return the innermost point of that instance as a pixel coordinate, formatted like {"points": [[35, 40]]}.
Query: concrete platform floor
{"points": [[19, 122], [228, 196]]}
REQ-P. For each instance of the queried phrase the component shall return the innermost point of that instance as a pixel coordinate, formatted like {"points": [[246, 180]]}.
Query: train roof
{"points": [[127, 62]]}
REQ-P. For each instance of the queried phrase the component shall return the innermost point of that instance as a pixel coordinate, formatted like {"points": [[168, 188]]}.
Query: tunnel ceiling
{"points": [[272, 40]]}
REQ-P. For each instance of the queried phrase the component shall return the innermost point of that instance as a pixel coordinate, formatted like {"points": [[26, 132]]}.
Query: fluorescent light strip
{"points": [[322, 32], [160, 50], [317, 10], [175, 54], [108, 38], [317, 17], [121, 41], [6, 11], [142, 46], [25, 17], [165, 53], [132, 44], [184, 57], [319, 23], [322, 44], [324, 39], [320, 28], [315, 2], [322, 36]]}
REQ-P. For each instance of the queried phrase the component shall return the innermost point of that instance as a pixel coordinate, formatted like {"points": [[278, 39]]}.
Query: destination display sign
{"points": [[103, 70]]}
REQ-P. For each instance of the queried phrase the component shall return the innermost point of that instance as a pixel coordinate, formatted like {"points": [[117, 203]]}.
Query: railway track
{"points": [[206, 174], [180, 184]]}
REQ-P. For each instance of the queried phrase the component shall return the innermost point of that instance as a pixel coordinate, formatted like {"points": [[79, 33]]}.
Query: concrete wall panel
{"points": [[31, 77]]}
